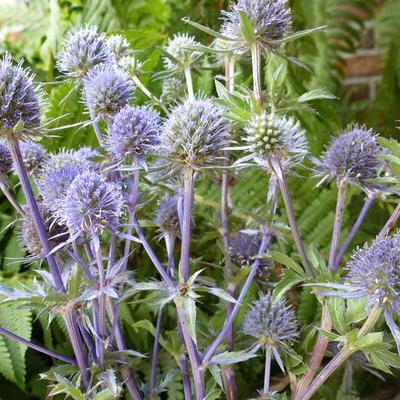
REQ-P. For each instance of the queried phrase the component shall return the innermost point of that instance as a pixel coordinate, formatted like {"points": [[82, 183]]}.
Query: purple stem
{"points": [[197, 371], [229, 321], [37, 347], [292, 219], [70, 319], [102, 296], [341, 198], [34, 209], [184, 264], [151, 254], [367, 204], [390, 223]]}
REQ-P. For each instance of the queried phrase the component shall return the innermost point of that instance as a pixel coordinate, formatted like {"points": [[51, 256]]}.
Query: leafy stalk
{"points": [[343, 354]]}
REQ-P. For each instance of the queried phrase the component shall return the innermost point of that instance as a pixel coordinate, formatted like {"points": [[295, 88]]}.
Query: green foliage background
{"points": [[34, 29]]}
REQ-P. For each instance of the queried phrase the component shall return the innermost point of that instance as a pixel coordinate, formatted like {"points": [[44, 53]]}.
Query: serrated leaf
{"points": [[370, 342]]}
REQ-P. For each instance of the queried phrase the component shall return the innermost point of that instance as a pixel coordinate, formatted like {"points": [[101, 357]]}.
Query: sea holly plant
{"points": [[94, 221]]}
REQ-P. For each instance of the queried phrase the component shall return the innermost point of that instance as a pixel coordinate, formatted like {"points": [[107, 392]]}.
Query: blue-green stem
{"points": [[189, 82]]}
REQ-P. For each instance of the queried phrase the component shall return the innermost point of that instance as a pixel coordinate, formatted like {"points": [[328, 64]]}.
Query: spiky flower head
{"points": [[53, 184], [173, 90], [271, 323], [19, 99], [107, 89], [167, 218], [376, 270], [244, 247], [83, 157], [134, 132], [195, 134], [84, 48], [92, 204], [352, 156], [270, 20], [33, 155], [270, 136], [177, 47], [6, 161], [118, 46], [57, 233]]}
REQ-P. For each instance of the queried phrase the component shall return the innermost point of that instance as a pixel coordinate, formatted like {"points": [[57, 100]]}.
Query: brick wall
{"points": [[363, 69]]}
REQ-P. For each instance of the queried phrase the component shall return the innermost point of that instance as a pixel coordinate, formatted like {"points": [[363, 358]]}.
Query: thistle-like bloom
{"points": [[107, 89], [195, 134], [173, 90], [134, 133], [83, 157], [167, 218], [19, 99], [244, 247], [84, 48], [57, 233], [270, 20], [374, 274], [270, 136], [273, 324], [352, 157], [33, 155], [53, 184], [6, 161], [118, 46], [177, 48], [92, 204]]}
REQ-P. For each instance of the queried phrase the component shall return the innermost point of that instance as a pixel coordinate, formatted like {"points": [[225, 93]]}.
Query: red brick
{"points": [[357, 91], [362, 65]]}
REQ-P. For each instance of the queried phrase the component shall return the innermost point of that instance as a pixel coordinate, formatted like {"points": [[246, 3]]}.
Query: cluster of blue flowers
{"points": [[84, 193]]}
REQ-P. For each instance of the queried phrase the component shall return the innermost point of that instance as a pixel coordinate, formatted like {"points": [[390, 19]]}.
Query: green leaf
{"points": [[105, 394], [300, 34], [356, 311], [370, 342], [75, 282], [289, 280], [232, 357], [188, 306], [384, 360], [315, 94], [287, 261], [336, 308], [247, 28]]}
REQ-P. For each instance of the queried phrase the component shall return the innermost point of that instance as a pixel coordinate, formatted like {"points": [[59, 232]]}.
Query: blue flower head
{"points": [[270, 19], [352, 157], [271, 323], [195, 134], [92, 204], [118, 46], [84, 48], [33, 154], [6, 161], [134, 133], [107, 89], [19, 99], [167, 218], [178, 48]]}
